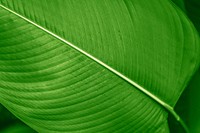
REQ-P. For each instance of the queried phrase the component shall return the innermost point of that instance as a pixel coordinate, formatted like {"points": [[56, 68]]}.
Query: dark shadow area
{"points": [[10, 124], [188, 107]]}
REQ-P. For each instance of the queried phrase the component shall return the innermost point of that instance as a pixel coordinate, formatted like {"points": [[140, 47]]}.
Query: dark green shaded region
{"points": [[174, 125], [194, 103], [6, 118], [188, 105], [18, 128], [180, 3], [10, 124], [193, 11]]}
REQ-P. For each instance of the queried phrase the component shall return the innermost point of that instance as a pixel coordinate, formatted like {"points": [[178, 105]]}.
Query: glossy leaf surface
{"points": [[53, 87]]}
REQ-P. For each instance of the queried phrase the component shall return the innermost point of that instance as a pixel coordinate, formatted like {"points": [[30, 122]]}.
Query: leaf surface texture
{"points": [[55, 88]]}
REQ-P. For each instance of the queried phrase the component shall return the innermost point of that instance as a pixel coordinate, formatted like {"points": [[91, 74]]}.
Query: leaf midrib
{"points": [[169, 108]]}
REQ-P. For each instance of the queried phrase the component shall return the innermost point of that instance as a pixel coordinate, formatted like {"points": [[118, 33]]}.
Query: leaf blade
{"points": [[46, 103], [160, 95]]}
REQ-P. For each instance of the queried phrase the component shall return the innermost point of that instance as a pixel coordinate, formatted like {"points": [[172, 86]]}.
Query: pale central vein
{"points": [[152, 96]]}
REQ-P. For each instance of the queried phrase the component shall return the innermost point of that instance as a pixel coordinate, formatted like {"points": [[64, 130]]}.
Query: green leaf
{"points": [[192, 7], [188, 106], [193, 12], [18, 128], [180, 3], [6, 118], [194, 106], [10, 124], [95, 66]]}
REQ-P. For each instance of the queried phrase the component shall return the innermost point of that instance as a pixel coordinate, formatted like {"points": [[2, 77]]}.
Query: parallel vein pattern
{"points": [[151, 43], [54, 88], [48, 72]]}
